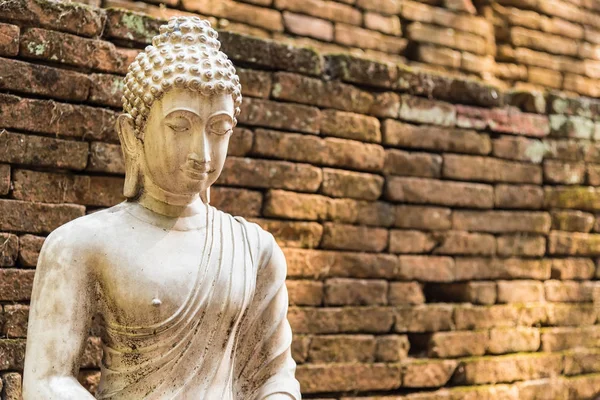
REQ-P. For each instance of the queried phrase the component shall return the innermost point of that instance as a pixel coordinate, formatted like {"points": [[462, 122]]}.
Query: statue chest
{"points": [[157, 275]]}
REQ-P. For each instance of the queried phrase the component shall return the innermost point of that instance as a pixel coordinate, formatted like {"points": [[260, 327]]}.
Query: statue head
{"points": [[181, 100]]}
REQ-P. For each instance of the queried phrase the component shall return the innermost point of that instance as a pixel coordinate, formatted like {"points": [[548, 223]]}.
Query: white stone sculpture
{"points": [[193, 300]]}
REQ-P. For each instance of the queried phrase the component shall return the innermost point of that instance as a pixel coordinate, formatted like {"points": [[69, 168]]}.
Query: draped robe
{"points": [[230, 339]]}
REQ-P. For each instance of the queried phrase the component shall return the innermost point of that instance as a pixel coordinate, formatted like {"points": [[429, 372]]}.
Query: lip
{"points": [[196, 173]]}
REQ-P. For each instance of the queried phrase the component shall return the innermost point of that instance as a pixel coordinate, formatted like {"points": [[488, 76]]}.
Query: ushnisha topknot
{"points": [[184, 55]]}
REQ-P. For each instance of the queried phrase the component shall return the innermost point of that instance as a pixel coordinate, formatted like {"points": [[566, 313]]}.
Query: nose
{"points": [[200, 150]]}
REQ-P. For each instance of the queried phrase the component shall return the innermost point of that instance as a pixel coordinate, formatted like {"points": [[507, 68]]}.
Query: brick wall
{"points": [[441, 233]]}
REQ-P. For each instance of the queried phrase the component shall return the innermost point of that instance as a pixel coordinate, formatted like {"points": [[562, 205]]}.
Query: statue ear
{"points": [[130, 145]]}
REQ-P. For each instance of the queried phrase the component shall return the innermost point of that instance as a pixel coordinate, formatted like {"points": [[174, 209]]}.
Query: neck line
{"points": [[196, 221]]}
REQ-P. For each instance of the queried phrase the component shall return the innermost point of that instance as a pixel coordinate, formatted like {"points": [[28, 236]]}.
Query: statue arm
{"points": [[265, 367], [60, 315]]}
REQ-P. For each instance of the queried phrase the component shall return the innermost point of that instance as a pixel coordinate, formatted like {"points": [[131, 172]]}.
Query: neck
{"points": [[169, 204]]}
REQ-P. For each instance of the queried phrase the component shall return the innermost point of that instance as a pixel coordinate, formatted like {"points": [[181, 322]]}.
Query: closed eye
{"points": [[178, 128]]}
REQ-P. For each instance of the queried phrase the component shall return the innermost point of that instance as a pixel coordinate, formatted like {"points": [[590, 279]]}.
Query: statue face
{"points": [[186, 139]]}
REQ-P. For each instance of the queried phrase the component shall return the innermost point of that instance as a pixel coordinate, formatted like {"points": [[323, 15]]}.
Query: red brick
{"points": [[426, 269], [520, 245], [4, 179], [509, 368], [29, 250], [350, 126], [576, 221], [406, 242], [293, 233], [291, 205], [299, 348], [489, 169], [484, 317], [342, 348], [247, 203], [385, 105], [544, 77], [447, 38], [424, 318], [64, 48], [463, 292], [65, 188], [573, 243], [403, 163], [341, 320], [332, 152], [68, 17], [240, 143], [9, 40], [326, 94], [60, 119], [571, 268], [303, 25], [563, 338], [132, 26], [106, 158], [581, 84], [355, 292], [106, 89], [513, 340], [312, 264], [246, 13], [521, 37], [568, 291], [503, 120], [389, 24], [501, 221], [558, 172], [359, 70], [427, 373], [356, 238], [23, 216], [593, 174], [430, 191], [15, 320], [255, 83], [520, 291], [305, 293], [15, 284], [9, 249], [391, 348], [382, 6], [398, 134], [519, 148], [356, 185], [22, 77], [12, 388], [457, 344], [425, 111], [500, 268], [423, 218], [259, 112], [429, 54], [370, 213], [401, 293], [270, 174], [354, 36], [571, 126], [327, 10], [583, 198], [12, 353], [348, 377], [464, 243], [564, 314]]}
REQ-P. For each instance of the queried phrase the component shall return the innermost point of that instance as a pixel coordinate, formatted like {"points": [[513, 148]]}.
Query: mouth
{"points": [[197, 171]]}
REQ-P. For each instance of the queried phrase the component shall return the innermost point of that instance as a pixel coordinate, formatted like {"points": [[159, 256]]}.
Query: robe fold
{"points": [[230, 339]]}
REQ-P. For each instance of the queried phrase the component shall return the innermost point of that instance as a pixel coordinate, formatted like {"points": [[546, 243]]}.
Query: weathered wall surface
{"points": [[441, 233]]}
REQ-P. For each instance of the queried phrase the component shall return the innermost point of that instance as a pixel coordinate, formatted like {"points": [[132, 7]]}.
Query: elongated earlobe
{"points": [[205, 195], [130, 146]]}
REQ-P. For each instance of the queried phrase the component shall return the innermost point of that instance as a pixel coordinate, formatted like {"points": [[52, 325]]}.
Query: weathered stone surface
{"points": [[9, 249], [398, 134], [469, 292], [503, 120], [563, 338], [427, 373], [355, 185], [357, 70], [424, 111], [402, 163], [29, 250], [131, 26], [513, 340], [569, 291], [106, 89], [281, 175], [350, 126], [426, 269], [13, 353], [500, 268], [430, 191], [354, 36], [457, 344], [571, 268], [326, 94], [291, 205], [15, 320], [355, 292], [520, 245], [424, 318], [501, 221], [266, 113], [423, 218], [575, 197], [293, 233], [9, 40], [339, 377], [405, 293], [341, 320], [246, 203], [520, 291], [304, 292], [342, 348], [22, 216], [573, 243], [15, 285], [487, 169], [264, 53], [574, 221], [391, 348], [356, 238]]}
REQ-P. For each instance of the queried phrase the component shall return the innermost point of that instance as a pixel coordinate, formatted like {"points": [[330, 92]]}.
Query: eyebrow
{"points": [[171, 111], [220, 114]]}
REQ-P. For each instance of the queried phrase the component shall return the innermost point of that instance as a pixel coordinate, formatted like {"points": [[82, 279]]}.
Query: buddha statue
{"points": [[192, 301]]}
